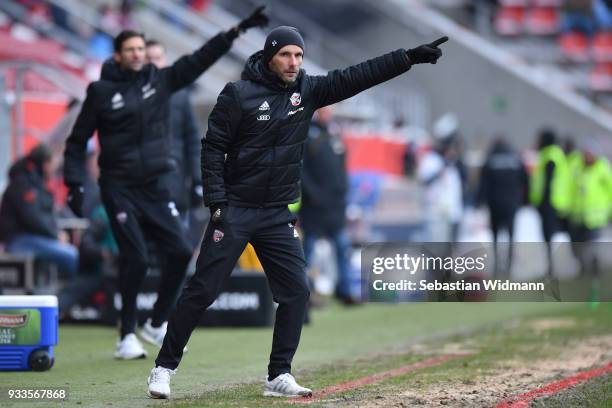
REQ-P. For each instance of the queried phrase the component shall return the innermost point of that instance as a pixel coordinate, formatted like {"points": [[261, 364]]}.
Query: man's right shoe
{"points": [[129, 348], [159, 382], [285, 386]]}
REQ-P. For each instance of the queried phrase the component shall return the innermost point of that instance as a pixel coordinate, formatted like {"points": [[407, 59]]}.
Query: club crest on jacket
{"points": [[218, 235], [296, 99]]}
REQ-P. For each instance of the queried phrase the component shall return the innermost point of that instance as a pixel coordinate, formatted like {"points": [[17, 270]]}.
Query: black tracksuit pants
{"points": [[272, 233], [139, 214]]}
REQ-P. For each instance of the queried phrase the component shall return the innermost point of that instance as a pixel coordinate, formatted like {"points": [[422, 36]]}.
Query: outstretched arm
{"points": [[341, 84], [189, 67], [222, 125]]}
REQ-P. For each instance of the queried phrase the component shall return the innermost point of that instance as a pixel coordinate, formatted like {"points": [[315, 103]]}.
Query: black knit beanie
{"points": [[280, 37]]}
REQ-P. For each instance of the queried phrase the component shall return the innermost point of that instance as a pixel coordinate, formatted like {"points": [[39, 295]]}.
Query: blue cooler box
{"points": [[28, 332]]}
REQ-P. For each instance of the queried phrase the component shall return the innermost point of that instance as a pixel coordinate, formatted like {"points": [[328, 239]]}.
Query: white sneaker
{"points": [[285, 386], [159, 382], [155, 335], [130, 348]]}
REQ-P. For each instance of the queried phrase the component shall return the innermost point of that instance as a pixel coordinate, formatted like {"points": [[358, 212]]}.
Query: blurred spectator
{"points": [[324, 188], [100, 45], [186, 181], [503, 188], [439, 172], [577, 15], [591, 212], [27, 220], [574, 167], [110, 19], [125, 11], [592, 206], [602, 9], [548, 188]]}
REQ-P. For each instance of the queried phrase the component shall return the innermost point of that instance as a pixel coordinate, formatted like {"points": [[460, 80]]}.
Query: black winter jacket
{"points": [[130, 111], [27, 205], [185, 151], [324, 182], [503, 181], [261, 124]]}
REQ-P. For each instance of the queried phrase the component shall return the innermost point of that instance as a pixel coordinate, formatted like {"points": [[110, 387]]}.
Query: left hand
{"points": [[426, 53], [256, 19]]}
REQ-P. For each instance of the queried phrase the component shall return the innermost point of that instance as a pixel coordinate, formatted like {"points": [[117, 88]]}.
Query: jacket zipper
{"points": [[273, 160]]}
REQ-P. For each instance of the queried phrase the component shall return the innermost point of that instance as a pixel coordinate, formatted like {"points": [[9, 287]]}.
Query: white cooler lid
{"points": [[28, 301]]}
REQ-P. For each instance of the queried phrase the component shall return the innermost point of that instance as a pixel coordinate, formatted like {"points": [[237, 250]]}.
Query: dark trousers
{"points": [[139, 215], [551, 224], [271, 231], [502, 219]]}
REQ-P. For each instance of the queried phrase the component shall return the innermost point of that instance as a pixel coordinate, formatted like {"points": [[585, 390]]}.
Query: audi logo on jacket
{"points": [[252, 151]]}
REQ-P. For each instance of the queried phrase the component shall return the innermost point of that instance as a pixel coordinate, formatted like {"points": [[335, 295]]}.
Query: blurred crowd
{"points": [[570, 185], [112, 17]]}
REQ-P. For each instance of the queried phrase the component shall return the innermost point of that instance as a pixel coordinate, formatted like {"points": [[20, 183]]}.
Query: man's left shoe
{"points": [[285, 386], [155, 335], [129, 348]]}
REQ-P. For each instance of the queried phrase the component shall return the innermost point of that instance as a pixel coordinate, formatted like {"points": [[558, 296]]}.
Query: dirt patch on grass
{"points": [[508, 378], [540, 325]]}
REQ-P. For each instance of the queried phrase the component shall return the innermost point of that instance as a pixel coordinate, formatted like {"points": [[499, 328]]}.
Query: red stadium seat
{"points": [[601, 47], [574, 47], [542, 21], [509, 20], [42, 50]]}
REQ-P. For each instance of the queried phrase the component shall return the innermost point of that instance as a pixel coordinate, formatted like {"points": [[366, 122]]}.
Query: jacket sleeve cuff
{"points": [[402, 58], [231, 34]]}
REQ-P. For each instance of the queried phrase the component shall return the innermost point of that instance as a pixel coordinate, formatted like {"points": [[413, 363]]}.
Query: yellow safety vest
{"points": [[594, 196], [575, 165], [559, 196]]}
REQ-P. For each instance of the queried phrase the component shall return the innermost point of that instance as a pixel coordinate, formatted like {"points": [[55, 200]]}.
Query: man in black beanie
{"points": [[251, 162]]}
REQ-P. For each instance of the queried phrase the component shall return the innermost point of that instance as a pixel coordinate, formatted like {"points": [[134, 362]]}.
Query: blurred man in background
{"points": [[503, 188], [439, 173], [251, 167], [186, 181], [548, 190], [324, 188], [27, 219], [129, 106], [592, 206]]}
